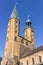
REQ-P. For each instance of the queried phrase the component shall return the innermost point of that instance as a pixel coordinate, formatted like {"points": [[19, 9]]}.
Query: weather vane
{"points": [[28, 17], [16, 3]]}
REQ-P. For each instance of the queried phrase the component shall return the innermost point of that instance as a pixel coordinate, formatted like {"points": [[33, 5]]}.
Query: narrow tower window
{"points": [[15, 31], [16, 26], [16, 21], [15, 38]]}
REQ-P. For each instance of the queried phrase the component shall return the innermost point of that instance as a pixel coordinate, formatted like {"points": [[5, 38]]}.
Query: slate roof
{"points": [[23, 50], [30, 52]]}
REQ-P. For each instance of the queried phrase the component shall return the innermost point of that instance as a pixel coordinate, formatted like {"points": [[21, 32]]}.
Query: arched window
{"points": [[40, 59], [27, 62], [18, 63], [33, 60]]}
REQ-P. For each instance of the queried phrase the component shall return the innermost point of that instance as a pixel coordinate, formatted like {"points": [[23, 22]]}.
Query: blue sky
{"points": [[33, 8]]}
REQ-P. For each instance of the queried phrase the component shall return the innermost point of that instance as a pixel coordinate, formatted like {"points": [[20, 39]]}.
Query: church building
{"points": [[21, 50]]}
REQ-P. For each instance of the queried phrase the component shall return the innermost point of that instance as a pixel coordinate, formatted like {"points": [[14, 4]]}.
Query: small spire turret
{"points": [[28, 23]]}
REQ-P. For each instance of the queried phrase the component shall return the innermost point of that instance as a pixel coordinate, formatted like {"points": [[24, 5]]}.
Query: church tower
{"points": [[14, 42], [11, 46], [29, 32]]}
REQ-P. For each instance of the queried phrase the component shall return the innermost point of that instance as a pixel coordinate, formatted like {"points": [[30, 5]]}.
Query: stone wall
{"points": [[29, 58]]}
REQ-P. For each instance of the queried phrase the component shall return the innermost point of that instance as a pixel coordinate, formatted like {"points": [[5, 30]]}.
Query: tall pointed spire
{"points": [[14, 13]]}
